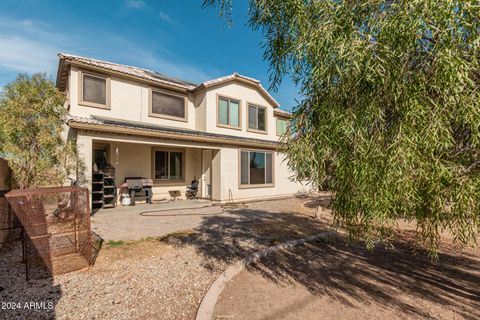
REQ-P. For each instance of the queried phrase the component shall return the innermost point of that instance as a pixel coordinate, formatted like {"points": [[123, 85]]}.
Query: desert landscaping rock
{"points": [[148, 280]]}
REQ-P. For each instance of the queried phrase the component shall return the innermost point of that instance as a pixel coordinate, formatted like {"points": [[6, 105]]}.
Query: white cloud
{"points": [[32, 46], [25, 55], [135, 4], [165, 17], [160, 60], [28, 46]]}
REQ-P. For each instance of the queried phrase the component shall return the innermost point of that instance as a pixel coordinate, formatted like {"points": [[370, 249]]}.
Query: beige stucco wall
{"points": [[85, 149], [136, 160], [201, 110], [283, 186], [129, 101], [246, 94]]}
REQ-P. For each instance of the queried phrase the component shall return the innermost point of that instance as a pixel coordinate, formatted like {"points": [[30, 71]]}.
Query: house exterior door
{"points": [[206, 174]]}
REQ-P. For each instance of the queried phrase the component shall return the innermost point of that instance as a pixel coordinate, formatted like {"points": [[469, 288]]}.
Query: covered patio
{"points": [[172, 165]]}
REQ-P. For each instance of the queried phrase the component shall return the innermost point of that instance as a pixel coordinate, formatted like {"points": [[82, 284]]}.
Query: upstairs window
{"points": [[228, 113], [257, 119], [282, 125], [168, 105], [256, 168], [94, 90]]}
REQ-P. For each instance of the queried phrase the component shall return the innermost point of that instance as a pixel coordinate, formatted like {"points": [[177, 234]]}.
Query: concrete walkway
{"points": [[151, 220]]}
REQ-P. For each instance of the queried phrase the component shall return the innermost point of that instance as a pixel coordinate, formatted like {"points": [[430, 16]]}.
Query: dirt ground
{"points": [[335, 279], [166, 278], [341, 282]]}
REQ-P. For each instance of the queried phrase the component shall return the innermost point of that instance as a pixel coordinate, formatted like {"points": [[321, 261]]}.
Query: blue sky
{"points": [[177, 38]]}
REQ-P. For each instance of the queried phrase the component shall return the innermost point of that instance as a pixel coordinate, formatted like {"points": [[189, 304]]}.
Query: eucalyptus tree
{"points": [[31, 124], [391, 101]]}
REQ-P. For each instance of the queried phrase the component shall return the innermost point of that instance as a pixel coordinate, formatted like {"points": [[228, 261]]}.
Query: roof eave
{"points": [[60, 81], [151, 133], [243, 79], [65, 61], [282, 114]]}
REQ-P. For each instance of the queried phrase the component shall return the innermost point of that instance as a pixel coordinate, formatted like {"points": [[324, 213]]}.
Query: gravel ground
{"points": [[146, 280], [336, 279]]}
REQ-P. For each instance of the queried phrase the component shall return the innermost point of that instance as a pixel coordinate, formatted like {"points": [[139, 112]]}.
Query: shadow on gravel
{"points": [[21, 299], [345, 272]]}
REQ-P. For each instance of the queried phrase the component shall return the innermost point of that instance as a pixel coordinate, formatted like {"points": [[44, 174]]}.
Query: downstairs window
{"points": [[168, 165], [256, 168]]}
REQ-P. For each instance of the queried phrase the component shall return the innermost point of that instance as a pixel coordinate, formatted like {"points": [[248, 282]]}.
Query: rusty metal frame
{"points": [[9, 223], [56, 224]]}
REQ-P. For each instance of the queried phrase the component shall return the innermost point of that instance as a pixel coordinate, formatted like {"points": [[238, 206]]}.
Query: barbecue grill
{"points": [[139, 188]]}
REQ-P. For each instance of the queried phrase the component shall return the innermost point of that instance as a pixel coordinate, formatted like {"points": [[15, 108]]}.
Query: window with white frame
{"points": [[256, 167]]}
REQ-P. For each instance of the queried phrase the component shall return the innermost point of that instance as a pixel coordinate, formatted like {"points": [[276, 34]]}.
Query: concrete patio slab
{"points": [[151, 220]]}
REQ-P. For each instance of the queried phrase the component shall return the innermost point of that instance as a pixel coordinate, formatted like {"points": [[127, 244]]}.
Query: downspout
{"points": [[141, 104]]}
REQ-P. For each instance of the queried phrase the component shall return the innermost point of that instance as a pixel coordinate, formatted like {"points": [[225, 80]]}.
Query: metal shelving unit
{"points": [[104, 194]]}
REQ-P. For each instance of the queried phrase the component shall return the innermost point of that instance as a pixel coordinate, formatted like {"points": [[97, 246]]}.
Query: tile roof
{"points": [[227, 78], [220, 138], [150, 75], [236, 76], [282, 113], [129, 70]]}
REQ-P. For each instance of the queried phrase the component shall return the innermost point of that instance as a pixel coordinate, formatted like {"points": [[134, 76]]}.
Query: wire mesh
{"points": [[56, 222], [10, 227]]}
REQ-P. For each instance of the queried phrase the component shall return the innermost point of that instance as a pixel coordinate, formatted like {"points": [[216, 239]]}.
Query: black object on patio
{"points": [[192, 190]]}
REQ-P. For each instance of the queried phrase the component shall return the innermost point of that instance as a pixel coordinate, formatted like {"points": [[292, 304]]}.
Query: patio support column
{"points": [[85, 149], [216, 176]]}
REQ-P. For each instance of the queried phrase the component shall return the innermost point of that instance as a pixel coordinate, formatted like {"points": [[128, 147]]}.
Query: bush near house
{"points": [[31, 123]]}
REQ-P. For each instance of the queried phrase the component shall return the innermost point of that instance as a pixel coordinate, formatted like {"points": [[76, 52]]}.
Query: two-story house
{"points": [[223, 132]]}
